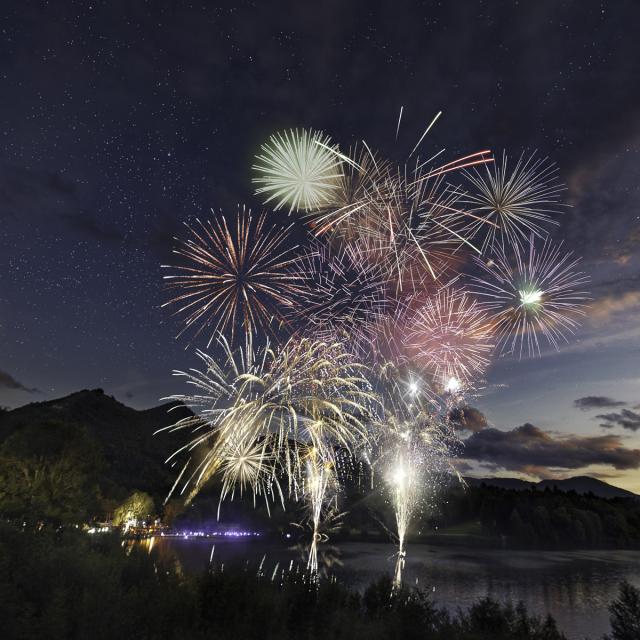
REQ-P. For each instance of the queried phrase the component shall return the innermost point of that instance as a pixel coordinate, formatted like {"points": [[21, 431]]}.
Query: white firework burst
{"points": [[298, 169], [510, 205], [531, 294]]}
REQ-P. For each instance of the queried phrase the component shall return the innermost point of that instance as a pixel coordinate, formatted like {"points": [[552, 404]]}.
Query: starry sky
{"points": [[120, 120]]}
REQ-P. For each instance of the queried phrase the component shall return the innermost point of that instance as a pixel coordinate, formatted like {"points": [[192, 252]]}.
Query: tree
{"points": [[138, 506], [49, 471], [625, 614], [172, 510]]}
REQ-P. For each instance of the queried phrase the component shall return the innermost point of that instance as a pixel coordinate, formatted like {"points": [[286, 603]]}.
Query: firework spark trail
{"points": [[320, 489], [531, 294], [343, 295], [248, 464], [413, 451], [402, 484], [520, 202], [413, 226], [346, 213], [233, 275], [256, 413], [386, 347], [401, 214], [298, 169]]}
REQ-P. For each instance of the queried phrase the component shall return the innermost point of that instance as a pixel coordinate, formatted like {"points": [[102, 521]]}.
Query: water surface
{"points": [[575, 587]]}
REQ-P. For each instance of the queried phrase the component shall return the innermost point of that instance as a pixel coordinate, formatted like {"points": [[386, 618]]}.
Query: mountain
{"points": [[135, 457], [586, 484], [579, 484]]}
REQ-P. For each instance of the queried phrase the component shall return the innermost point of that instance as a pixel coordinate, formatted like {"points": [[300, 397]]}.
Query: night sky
{"points": [[120, 120]]}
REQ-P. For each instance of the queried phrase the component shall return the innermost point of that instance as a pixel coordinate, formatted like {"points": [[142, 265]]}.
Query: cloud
{"points": [[90, 227], [527, 448], [597, 402], [37, 195], [28, 192], [7, 381], [626, 419], [468, 418], [462, 466], [603, 309]]}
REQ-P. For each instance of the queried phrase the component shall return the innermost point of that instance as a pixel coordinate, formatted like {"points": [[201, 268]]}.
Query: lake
{"points": [[573, 586]]}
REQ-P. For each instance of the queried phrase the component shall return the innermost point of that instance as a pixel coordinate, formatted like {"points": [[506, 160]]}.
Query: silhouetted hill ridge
{"points": [[134, 455], [579, 484]]}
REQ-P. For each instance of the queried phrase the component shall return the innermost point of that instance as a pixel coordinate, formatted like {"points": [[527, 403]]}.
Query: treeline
{"points": [[50, 471], [542, 519]]}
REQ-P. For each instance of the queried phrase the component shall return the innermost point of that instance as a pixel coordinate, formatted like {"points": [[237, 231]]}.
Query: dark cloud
{"points": [[626, 419], [27, 192], [596, 402], [527, 447], [37, 195], [89, 226], [462, 466], [468, 418], [162, 237], [7, 381]]}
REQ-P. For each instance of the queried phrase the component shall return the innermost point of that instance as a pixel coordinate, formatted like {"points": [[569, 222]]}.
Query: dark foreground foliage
{"points": [[67, 585], [625, 614]]}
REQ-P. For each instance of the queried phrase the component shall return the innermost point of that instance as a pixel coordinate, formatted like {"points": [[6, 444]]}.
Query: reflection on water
{"points": [[574, 586]]}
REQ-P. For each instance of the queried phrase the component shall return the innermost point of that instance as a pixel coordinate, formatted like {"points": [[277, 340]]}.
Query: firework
{"points": [[223, 436], [531, 295], [343, 295], [416, 443], [298, 169], [386, 349], [512, 205], [413, 228], [320, 489], [410, 449], [451, 336], [403, 484], [248, 464], [386, 339], [256, 412], [347, 214], [233, 275]]}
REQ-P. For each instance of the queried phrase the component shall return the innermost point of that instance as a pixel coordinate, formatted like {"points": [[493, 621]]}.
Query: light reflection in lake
{"points": [[574, 586]]}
